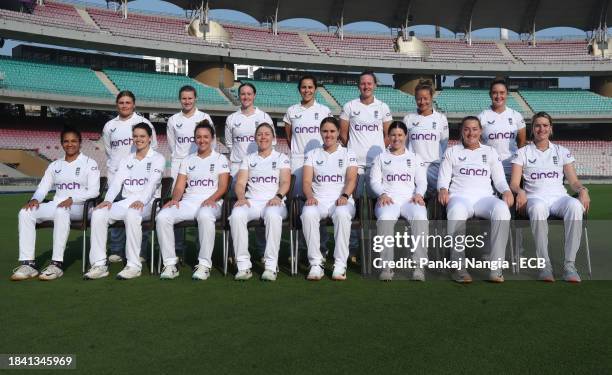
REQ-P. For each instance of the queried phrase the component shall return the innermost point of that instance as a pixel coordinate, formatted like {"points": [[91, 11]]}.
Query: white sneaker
{"points": [[128, 273], [24, 272], [169, 273], [386, 275], [462, 276], [316, 273], [96, 272], [114, 258], [570, 273], [339, 274], [496, 277], [243, 275], [268, 275], [418, 274], [51, 272], [201, 272]]}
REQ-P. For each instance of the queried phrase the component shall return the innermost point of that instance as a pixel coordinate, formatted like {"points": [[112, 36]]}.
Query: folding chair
{"points": [[166, 186], [356, 223], [81, 224], [220, 224]]}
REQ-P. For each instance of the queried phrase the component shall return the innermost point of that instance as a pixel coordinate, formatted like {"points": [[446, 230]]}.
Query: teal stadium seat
{"points": [[162, 87], [24, 75], [274, 94], [567, 102], [469, 101], [398, 101]]}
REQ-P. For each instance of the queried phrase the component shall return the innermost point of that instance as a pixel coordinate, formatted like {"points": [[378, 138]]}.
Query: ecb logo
{"points": [[340, 163], [408, 163], [375, 114], [77, 171], [212, 167], [316, 115], [555, 160], [433, 125], [484, 159], [148, 167], [509, 121], [273, 165]]}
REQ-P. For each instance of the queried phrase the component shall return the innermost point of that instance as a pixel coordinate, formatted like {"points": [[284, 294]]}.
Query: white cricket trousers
{"points": [[417, 217], [132, 218], [462, 207], [566, 207], [311, 222], [189, 209], [432, 178], [273, 219], [61, 228]]}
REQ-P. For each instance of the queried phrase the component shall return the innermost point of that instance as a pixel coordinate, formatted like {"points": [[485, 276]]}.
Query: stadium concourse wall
{"points": [[104, 41]]}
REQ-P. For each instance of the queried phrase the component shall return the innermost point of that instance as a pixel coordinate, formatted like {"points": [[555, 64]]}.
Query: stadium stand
{"points": [[552, 52], [397, 100], [376, 47], [7, 171], [51, 14], [452, 50], [51, 78], [273, 94], [162, 86], [468, 101], [261, 39], [567, 101]]}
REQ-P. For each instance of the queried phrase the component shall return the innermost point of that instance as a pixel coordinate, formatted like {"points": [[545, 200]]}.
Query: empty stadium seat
{"points": [[567, 101], [398, 101], [469, 101]]}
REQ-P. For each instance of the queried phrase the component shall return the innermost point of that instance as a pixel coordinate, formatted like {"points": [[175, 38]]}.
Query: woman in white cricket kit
{"points": [[203, 179], [118, 143], [330, 176], [363, 126], [542, 166], [469, 168], [261, 186], [503, 128], [398, 178], [138, 178], [181, 141], [302, 125], [240, 127], [427, 133], [75, 179]]}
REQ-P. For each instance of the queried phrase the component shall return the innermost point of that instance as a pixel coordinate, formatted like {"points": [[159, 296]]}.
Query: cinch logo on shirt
{"points": [[136, 181], [185, 139], [67, 186], [264, 180], [244, 138], [501, 135], [474, 172], [307, 129], [366, 128], [121, 142], [404, 177], [205, 182], [329, 178], [543, 175], [423, 137]]}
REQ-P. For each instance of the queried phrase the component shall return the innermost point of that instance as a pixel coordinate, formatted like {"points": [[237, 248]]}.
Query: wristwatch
{"points": [[279, 196], [345, 195]]}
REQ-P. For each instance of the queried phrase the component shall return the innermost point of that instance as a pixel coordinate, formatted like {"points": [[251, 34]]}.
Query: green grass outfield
{"points": [[293, 326]]}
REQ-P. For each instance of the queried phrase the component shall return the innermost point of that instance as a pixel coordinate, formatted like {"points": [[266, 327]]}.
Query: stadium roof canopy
{"points": [[459, 16]]}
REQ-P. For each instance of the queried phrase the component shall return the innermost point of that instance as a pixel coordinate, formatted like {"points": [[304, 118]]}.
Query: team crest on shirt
{"points": [[509, 121], [113, 130], [340, 163], [130, 166], [433, 125], [316, 115], [408, 163], [192, 168], [77, 171], [149, 167], [212, 168], [532, 161], [256, 123], [273, 165], [462, 158], [555, 160], [179, 125], [484, 159], [375, 114]]}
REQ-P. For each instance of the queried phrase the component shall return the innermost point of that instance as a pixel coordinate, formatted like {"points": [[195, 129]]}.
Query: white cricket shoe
{"points": [[316, 273], [243, 275], [570, 273], [128, 273], [114, 258], [386, 275], [339, 274], [462, 276], [418, 274], [169, 273], [496, 277], [24, 272], [96, 272], [51, 272], [200, 272], [268, 275]]}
